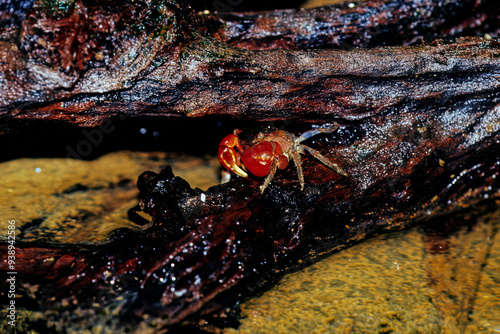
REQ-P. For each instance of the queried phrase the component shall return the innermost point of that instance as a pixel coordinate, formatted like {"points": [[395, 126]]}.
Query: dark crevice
{"points": [[32, 224]]}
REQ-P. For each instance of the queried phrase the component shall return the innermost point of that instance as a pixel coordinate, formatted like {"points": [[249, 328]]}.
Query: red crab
{"points": [[268, 152]]}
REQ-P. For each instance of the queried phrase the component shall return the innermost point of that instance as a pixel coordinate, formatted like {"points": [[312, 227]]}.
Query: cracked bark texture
{"points": [[86, 62]]}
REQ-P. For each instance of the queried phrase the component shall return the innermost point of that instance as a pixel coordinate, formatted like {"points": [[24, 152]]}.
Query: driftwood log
{"points": [[86, 62], [419, 137]]}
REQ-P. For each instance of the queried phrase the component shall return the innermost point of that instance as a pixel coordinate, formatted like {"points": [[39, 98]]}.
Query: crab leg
{"points": [[324, 160], [272, 171], [308, 134], [298, 164]]}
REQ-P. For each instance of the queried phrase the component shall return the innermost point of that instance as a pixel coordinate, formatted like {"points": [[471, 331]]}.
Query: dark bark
{"points": [[364, 24], [87, 62]]}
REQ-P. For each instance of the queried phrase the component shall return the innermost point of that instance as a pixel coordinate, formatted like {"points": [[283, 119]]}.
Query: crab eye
{"points": [[258, 159]]}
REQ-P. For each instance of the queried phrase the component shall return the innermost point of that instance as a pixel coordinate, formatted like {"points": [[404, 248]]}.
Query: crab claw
{"points": [[259, 158], [229, 157]]}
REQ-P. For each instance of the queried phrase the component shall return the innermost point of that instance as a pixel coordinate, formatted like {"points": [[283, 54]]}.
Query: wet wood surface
{"points": [[358, 24], [85, 63]]}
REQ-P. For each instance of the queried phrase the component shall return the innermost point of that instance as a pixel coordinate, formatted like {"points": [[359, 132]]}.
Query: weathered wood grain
{"points": [[88, 62]]}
